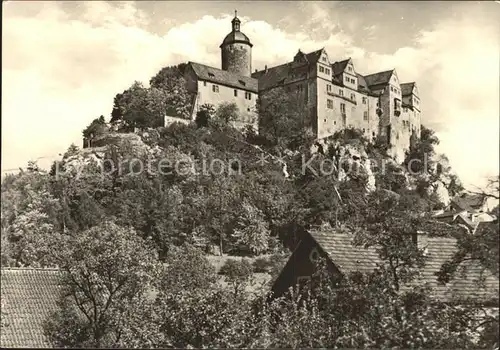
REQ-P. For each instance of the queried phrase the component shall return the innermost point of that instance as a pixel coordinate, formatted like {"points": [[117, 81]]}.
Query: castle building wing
{"points": [[223, 77]]}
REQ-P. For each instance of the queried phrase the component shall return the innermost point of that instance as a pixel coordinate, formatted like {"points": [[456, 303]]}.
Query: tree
{"points": [[95, 128], [238, 273], [284, 118], [107, 270]]}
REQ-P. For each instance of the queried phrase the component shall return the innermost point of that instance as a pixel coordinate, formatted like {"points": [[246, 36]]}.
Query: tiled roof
{"points": [[407, 88], [465, 284], [283, 74], [339, 67], [378, 78], [223, 77], [362, 85], [28, 298], [469, 202], [313, 57]]}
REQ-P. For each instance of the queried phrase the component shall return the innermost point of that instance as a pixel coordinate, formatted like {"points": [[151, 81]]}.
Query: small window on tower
{"points": [[248, 95], [365, 115], [364, 100], [215, 88], [204, 83], [235, 92]]}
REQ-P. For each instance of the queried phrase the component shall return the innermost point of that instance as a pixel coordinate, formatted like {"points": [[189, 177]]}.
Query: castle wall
{"points": [[237, 58], [225, 94]]}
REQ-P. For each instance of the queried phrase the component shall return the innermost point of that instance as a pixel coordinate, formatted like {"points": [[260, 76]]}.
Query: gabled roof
{"points": [[339, 67], [28, 297], [313, 57], [362, 85], [223, 77], [381, 78], [282, 74], [469, 202], [407, 88], [465, 284]]}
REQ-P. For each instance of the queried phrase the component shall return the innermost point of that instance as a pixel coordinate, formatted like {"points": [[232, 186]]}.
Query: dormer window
{"points": [[211, 75], [323, 59], [242, 82], [349, 69]]}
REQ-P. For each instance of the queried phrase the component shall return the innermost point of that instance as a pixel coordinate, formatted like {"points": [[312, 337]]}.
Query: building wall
{"points": [[226, 94], [237, 58], [358, 115]]}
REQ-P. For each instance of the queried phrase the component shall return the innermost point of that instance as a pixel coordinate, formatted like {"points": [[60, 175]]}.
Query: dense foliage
{"points": [[130, 226]]}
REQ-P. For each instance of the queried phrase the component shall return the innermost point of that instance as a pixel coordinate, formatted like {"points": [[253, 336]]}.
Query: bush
{"points": [[262, 264]]}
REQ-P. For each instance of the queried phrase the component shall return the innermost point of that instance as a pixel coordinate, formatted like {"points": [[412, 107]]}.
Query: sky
{"points": [[63, 62]]}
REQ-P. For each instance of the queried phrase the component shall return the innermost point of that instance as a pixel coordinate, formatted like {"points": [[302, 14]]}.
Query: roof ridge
{"points": [[14, 268], [385, 71]]}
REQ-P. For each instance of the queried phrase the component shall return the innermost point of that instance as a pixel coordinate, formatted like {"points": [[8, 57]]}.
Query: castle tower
{"points": [[236, 51]]}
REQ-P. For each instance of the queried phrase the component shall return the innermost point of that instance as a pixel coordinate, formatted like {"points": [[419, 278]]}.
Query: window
{"points": [[349, 69], [211, 75], [248, 95], [314, 255], [215, 88], [328, 88], [334, 122], [204, 83], [324, 120], [300, 88], [323, 59], [365, 115], [242, 82], [364, 100], [327, 71], [321, 69], [248, 109], [342, 108], [347, 79], [235, 93], [364, 131], [353, 97], [329, 104], [378, 104], [341, 92]]}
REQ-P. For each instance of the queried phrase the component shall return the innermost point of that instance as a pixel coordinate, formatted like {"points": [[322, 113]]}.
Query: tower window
{"points": [[235, 92], [248, 95], [215, 88], [204, 83], [365, 115], [329, 104]]}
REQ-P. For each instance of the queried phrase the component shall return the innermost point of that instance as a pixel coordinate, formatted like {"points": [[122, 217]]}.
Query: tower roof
{"points": [[236, 36]]}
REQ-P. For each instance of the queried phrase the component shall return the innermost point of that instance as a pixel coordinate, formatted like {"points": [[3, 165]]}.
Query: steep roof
{"points": [[469, 202], [407, 88], [223, 77], [465, 284], [313, 57], [339, 67], [28, 298], [283, 74], [381, 78]]}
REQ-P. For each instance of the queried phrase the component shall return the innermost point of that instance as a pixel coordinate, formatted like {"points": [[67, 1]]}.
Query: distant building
{"points": [[336, 96]]}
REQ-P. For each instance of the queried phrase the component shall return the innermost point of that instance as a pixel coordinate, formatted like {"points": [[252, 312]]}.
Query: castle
{"points": [[336, 96]]}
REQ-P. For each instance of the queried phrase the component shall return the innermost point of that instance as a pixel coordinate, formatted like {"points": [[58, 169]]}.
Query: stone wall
{"points": [[237, 58]]}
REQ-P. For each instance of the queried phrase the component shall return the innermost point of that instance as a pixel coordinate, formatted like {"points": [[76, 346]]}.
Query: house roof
{"points": [[380, 78], [339, 67], [407, 88], [313, 57], [28, 297], [465, 284], [469, 202], [223, 77]]}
